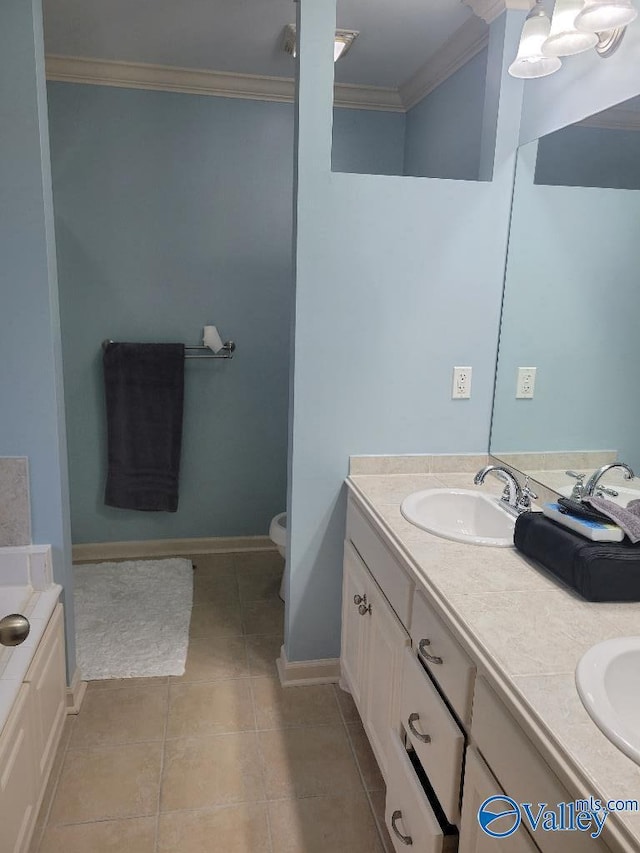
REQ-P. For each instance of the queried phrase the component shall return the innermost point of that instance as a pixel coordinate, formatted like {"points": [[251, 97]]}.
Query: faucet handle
{"points": [[578, 489], [524, 504], [575, 475]]}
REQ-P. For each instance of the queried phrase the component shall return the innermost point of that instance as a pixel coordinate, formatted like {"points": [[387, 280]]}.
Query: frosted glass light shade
{"points": [[598, 16], [564, 39], [530, 61]]}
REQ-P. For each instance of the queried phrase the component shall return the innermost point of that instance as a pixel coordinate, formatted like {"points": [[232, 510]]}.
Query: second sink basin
{"points": [[463, 515], [608, 682]]}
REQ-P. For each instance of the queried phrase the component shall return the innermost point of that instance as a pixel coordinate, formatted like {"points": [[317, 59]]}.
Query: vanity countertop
{"points": [[526, 630]]}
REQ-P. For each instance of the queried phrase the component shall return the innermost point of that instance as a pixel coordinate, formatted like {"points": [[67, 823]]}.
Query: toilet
{"points": [[278, 535]]}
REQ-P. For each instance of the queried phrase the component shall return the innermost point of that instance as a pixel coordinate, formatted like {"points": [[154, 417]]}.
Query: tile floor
{"points": [[222, 759]]}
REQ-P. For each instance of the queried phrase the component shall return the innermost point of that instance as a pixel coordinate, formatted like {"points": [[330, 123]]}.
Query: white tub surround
{"points": [[524, 634], [32, 691]]}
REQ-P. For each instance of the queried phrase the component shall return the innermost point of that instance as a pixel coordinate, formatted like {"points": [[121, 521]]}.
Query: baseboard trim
{"points": [[298, 673], [75, 693], [95, 551]]}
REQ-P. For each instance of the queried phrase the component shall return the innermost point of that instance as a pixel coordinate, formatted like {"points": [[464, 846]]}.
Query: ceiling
{"points": [[245, 36]]}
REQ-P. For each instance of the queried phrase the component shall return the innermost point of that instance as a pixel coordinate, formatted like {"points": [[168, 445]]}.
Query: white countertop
{"points": [[526, 630]]}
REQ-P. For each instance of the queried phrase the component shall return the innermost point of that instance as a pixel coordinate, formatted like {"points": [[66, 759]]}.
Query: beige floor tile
{"points": [[308, 762], [232, 829], [378, 801], [109, 782], [373, 780], [263, 617], [210, 771], [215, 620], [209, 708], [249, 560], [219, 564], [347, 705], [263, 652], [212, 658], [136, 835], [277, 707], [209, 588], [340, 824], [259, 576], [117, 683], [127, 715]]}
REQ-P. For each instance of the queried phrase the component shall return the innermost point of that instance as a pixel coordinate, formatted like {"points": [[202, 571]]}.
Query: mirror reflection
{"points": [[566, 386], [409, 91]]}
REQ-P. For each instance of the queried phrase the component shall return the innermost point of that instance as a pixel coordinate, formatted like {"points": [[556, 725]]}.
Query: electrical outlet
{"points": [[461, 383], [526, 383]]}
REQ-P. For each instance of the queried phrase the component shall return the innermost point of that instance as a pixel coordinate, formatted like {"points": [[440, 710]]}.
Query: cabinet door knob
{"points": [[413, 718], [359, 599], [364, 609], [395, 817], [422, 648]]}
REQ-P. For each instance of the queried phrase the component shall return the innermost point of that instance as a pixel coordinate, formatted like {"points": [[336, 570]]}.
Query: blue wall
{"points": [[590, 157], [369, 142], [443, 132], [572, 310], [173, 211], [32, 422], [406, 274]]}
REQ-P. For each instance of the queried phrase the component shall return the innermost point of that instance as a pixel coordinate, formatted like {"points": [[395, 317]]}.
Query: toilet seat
{"points": [[278, 529]]}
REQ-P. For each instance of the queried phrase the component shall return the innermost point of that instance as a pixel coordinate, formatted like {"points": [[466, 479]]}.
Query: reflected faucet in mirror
{"points": [[592, 488], [516, 498]]}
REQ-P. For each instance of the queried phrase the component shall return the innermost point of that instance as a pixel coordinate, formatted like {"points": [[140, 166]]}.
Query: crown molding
{"points": [[489, 10], [616, 118], [194, 81], [463, 45]]}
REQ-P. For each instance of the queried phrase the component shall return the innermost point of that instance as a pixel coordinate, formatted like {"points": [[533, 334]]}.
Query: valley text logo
{"points": [[500, 816]]}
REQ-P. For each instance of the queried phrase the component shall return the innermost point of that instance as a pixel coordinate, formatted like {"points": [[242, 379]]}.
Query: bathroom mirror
{"points": [[409, 91], [571, 306]]}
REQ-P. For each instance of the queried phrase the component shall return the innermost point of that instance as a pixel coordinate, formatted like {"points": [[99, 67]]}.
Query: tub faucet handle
{"points": [[14, 629]]}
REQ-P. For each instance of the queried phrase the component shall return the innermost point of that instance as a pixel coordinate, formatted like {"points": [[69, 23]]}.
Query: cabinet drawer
{"points": [[521, 771], [424, 715], [408, 814], [479, 785], [443, 655], [396, 585]]}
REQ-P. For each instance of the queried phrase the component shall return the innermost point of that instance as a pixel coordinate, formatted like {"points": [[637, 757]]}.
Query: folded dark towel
{"points": [[144, 385], [599, 571]]}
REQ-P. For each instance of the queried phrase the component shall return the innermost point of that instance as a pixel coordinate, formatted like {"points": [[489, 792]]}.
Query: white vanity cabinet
{"points": [[443, 738], [30, 737]]}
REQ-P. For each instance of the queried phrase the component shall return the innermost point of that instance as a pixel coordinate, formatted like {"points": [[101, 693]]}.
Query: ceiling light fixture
{"points": [[341, 44], [530, 61], [576, 26]]}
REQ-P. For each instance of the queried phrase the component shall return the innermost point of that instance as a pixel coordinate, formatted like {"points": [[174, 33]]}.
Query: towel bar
{"points": [[228, 347]]}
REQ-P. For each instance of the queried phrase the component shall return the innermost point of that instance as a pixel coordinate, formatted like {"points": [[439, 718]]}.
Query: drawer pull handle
{"points": [[413, 718], [359, 599], [422, 647], [395, 817], [364, 609]]}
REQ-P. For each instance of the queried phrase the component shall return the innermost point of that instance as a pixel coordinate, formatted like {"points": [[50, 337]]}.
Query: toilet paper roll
{"points": [[212, 339]]}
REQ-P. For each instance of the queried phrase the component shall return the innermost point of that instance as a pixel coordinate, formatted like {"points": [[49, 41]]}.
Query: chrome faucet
{"points": [[591, 486], [516, 497]]}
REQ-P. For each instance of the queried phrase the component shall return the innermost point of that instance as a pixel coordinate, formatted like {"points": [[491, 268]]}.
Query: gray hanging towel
{"points": [[144, 386]]}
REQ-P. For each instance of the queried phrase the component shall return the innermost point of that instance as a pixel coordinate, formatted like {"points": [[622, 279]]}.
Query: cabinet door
{"points": [[46, 677], [356, 590], [17, 780], [479, 784], [386, 642]]}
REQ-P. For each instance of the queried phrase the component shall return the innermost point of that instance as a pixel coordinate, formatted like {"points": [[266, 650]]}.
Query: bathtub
{"points": [[32, 691]]}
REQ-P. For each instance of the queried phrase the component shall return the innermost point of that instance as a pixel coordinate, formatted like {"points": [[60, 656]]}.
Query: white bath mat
{"points": [[132, 618]]}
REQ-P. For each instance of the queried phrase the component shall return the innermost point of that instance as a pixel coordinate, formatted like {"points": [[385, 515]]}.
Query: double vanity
{"points": [[462, 662]]}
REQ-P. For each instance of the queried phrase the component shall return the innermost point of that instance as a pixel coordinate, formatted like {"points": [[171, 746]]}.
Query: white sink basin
{"points": [[460, 514], [608, 682]]}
